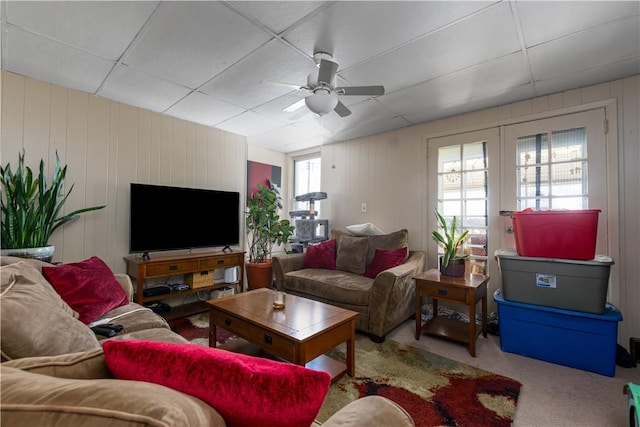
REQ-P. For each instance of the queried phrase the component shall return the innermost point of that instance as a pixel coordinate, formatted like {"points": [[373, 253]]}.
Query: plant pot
{"points": [[44, 253], [260, 275], [456, 268]]}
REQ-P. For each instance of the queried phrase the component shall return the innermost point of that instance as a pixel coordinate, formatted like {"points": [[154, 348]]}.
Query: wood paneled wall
{"points": [[107, 145], [389, 172]]}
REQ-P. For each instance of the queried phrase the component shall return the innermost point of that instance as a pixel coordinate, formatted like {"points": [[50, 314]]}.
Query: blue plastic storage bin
{"points": [[577, 339]]}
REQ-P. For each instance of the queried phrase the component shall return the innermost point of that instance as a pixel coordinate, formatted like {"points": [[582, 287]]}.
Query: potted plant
{"points": [[32, 209], [264, 228], [451, 262]]}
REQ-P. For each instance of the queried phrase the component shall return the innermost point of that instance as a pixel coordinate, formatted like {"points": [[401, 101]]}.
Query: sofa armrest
{"points": [[393, 293], [371, 411], [125, 282], [282, 264]]}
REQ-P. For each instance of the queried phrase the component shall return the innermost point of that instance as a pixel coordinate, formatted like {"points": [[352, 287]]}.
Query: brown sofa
{"points": [[384, 302], [54, 371]]}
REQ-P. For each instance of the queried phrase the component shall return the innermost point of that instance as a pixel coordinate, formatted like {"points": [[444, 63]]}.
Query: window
{"points": [[551, 170], [306, 179]]}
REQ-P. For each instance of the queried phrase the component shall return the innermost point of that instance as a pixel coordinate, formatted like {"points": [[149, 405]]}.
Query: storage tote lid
{"points": [[529, 211], [611, 312], [512, 253]]}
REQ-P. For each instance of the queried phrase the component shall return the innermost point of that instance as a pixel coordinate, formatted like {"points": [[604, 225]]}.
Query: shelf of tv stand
{"points": [[186, 310], [160, 266]]}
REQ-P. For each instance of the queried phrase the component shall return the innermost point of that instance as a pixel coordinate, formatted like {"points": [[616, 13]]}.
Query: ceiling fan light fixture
{"points": [[321, 102]]}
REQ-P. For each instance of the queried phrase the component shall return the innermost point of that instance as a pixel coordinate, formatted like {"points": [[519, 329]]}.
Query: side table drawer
{"points": [[271, 342], [229, 323], [445, 292]]}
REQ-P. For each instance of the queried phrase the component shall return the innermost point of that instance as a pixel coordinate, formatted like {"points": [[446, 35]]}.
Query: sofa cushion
{"points": [[322, 255], [396, 240], [31, 399], [35, 320], [88, 286], [384, 260], [348, 288], [352, 254], [245, 390]]}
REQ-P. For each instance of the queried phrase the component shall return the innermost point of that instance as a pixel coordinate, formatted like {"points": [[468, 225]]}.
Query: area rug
{"points": [[436, 391], [196, 329]]}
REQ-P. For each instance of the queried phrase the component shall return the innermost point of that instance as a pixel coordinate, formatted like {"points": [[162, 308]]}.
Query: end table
{"points": [[467, 290]]}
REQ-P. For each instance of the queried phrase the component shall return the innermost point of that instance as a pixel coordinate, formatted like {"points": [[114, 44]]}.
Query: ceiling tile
{"points": [[249, 123], [191, 42], [103, 28], [490, 100], [481, 38], [204, 109], [587, 49], [543, 21], [355, 31], [141, 90], [503, 73], [276, 16], [373, 128], [49, 61], [588, 77], [274, 62], [290, 138]]}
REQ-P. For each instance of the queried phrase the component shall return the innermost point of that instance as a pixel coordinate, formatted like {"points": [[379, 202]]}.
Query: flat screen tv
{"points": [[166, 218]]}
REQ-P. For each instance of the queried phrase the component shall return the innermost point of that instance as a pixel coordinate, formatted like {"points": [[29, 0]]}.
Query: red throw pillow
{"points": [[245, 390], [384, 260], [322, 255], [89, 287]]}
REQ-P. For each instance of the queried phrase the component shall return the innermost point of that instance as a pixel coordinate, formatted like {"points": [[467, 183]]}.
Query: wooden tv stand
{"points": [[171, 265]]}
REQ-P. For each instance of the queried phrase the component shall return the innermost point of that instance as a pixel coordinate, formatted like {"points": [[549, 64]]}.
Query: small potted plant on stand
{"points": [[264, 228], [31, 209], [451, 262]]}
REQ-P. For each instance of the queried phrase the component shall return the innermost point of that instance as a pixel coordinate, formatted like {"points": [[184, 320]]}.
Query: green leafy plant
{"points": [[31, 208], [449, 241], [263, 225]]}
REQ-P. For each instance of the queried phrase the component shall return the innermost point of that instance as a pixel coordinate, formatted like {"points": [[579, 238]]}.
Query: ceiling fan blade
{"points": [[361, 90], [327, 71], [342, 110], [295, 106]]}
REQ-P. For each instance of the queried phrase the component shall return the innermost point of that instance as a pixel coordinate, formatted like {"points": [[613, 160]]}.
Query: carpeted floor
{"points": [[433, 389]]}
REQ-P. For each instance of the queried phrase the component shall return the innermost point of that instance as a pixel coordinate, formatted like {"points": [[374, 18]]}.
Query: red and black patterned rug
{"points": [[196, 329], [435, 390]]}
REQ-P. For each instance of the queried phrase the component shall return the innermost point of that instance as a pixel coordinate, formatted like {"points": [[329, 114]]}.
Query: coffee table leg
{"points": [[351, 352], [212, 332]]}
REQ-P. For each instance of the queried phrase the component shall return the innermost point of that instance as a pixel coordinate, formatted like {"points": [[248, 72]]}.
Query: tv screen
{"points": [[167, 218]]}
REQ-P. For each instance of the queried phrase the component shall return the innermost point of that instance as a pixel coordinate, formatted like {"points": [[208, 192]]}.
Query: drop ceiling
{"points": [[217, 63]]}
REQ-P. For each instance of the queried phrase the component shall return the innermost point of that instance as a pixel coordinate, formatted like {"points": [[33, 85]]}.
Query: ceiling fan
{"points": [[323, 92]]}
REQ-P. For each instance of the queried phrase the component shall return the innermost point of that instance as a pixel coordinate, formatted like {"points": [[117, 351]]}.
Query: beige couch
{"points": [[54, 370], [383, 302]]}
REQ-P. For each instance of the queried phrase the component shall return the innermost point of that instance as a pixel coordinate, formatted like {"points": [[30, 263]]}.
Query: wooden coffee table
{"points": [[300, 333]]}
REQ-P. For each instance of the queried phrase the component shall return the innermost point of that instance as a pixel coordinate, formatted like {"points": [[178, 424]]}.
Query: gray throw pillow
{"points": [[352, 254]]}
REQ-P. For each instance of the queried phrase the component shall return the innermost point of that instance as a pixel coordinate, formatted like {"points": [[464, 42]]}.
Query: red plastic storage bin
{"points": [[564, 234]]}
